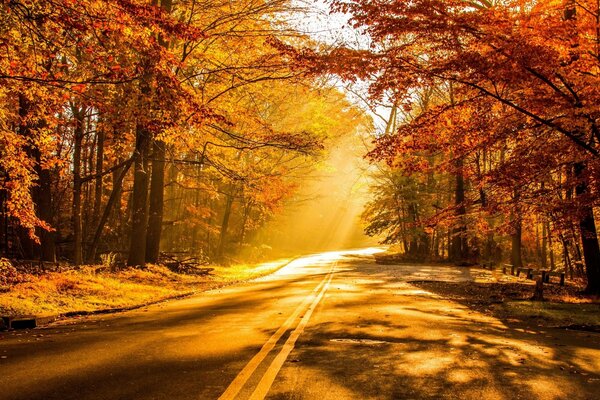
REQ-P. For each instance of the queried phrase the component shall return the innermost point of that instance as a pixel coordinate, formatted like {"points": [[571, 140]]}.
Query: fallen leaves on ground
{"points": [[563, 306], [91, 288]]}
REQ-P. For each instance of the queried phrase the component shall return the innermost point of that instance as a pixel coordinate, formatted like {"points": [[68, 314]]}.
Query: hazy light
{"points": [[325, 213]]}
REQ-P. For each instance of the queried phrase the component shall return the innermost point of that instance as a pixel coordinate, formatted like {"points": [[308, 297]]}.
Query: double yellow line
{"points": [[268, 377]]}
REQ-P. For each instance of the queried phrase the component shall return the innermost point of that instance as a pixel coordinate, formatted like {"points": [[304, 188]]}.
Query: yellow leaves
{"points": [[234, 96]]}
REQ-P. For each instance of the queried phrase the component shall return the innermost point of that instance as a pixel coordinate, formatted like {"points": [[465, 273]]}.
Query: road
{"points": [[328, 326]]}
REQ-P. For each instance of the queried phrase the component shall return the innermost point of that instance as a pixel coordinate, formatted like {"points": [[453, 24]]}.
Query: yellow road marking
{"points": [[240, 380], [268, 378]]}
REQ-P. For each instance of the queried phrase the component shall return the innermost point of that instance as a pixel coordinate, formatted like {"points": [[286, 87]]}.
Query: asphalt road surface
{"points": [[328, 326]]}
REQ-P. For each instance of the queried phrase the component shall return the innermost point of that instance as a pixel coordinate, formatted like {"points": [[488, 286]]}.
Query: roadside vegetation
{"points": [[510, 300], [96, 288]]}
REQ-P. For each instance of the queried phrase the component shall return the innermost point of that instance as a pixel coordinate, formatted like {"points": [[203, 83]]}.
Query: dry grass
{"points": [[564, 305], [86, 290], [559, 314]]}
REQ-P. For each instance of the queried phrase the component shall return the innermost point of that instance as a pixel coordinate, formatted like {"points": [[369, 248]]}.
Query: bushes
{"points": [[9, 275]]}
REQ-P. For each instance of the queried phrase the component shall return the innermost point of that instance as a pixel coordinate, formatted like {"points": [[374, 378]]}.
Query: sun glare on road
{"points": [[332, 256]]}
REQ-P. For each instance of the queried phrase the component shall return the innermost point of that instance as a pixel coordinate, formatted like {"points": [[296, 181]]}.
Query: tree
{"points": [[522, 58], [122, 119]]}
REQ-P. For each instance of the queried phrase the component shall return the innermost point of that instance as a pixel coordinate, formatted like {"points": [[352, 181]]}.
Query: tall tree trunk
{"points": [[144, 141], [224, 226], [516, 245], [516, 236], [98, 186], [589, 236], [459, 247], [436, 244], [27, 246], [544, 246], [413, 247], [157, 183], [195, 231], [575, 240], [171, 234], [247, 211], [550, 246], [88, 154], [5, 250], [45, 213], [78, 113], [114, 198], [116, 216], [568, 265], [155, 217], [139, 200]]}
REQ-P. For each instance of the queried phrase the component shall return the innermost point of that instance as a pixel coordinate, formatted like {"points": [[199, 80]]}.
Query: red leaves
{"points": [[78, 88], [510, 91], [153, 17]]}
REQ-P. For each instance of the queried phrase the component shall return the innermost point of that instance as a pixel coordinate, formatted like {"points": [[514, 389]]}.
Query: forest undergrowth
{"points": [[510, 299], [93, 288]]}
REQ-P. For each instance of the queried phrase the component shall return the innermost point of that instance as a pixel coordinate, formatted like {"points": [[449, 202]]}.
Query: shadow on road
{"points": [[378, 336]]}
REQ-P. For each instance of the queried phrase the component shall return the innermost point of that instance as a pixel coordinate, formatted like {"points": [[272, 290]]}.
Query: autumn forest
{"points": [[136, 127], [153, 150], [128, 123]]}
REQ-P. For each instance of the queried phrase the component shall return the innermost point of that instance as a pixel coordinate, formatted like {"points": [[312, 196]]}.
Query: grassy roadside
{"points": [[510, 300], [552, 314], [86, 290]]}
